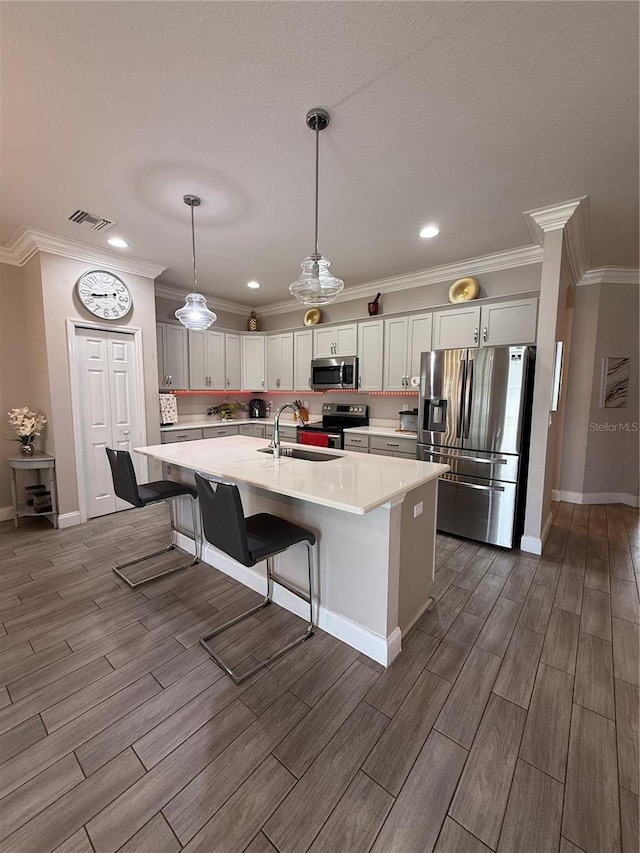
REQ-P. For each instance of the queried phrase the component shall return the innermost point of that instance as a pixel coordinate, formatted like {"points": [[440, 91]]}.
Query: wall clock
{"points": [[104, 294]]}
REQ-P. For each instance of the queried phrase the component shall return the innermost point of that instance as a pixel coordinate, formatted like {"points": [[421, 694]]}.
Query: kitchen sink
{"points": [[299, 453]]}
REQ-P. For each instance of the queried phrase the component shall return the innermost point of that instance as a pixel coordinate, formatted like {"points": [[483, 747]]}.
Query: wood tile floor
{"points": [[509, 722]]}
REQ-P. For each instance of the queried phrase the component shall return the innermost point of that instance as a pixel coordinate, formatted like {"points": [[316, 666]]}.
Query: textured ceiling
{"points": [[462, 113]]}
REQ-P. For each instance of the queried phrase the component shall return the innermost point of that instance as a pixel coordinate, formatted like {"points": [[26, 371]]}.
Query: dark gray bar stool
{"points": [[126, 487], [250, 540]]}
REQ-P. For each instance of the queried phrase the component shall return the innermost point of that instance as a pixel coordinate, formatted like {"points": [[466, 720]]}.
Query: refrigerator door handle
{"points": [[460, 398], [468, 399], [469, 458]]}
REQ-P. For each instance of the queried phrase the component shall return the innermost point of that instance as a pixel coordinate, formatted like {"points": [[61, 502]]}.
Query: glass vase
{"points": [[27, 448]]}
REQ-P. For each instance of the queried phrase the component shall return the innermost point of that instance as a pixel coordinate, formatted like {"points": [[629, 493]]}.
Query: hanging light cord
{"points": [[317, 170], [193, 246]]}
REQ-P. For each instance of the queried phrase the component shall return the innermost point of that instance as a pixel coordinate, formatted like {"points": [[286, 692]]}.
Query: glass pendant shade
{"points": [[194, 314], [316, 285]]}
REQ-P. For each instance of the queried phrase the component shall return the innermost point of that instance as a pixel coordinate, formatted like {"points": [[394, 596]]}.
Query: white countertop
{"points": [[354, 482], [387, 432]]}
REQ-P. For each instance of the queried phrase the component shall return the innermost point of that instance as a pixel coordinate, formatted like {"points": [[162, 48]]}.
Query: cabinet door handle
{"points": [[390, 444], [475, 336], [484, 335], [262, 381], [170, 380], [228, 382], [309, 382]]}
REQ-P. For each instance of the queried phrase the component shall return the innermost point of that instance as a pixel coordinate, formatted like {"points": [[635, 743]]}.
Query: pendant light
{"points": [[316, 285], [194, 314]]}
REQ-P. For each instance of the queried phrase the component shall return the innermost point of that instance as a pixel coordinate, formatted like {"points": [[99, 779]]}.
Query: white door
{"points": [[109, 401]]}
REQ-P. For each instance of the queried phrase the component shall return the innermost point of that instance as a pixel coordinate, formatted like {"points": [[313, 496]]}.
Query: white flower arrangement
{"points": [[27, 424]]}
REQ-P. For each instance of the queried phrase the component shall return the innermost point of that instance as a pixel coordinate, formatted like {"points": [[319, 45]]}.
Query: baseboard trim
{"points": [[531, 544], [69, 519], [596, 497], [380, 649], [6, 513]]}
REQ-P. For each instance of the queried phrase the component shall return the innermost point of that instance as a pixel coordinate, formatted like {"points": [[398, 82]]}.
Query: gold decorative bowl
{"points": [[463, 290], [312, 317]]}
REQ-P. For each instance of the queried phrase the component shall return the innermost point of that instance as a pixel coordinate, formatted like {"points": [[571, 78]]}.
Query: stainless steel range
{"points": [[336, 417]]}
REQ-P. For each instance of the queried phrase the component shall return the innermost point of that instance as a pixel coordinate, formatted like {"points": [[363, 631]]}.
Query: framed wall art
{"points": [[615, 382]]}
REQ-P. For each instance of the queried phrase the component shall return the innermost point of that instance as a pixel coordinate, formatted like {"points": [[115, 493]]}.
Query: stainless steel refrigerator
{"points": [[475, 412]]}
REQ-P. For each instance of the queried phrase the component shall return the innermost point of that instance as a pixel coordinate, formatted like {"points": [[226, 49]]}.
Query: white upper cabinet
{"points": [[173, 363], [457, 328], [232, 351], [335, 340], [509, 323], [253, 363], [370, 351], [302, 355], [404, 339], [207, 361], [418, 341], [498, 324], [280, 362]]}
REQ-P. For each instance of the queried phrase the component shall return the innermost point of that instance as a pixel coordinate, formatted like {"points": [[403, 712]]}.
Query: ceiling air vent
{"points": [[90, 220]]}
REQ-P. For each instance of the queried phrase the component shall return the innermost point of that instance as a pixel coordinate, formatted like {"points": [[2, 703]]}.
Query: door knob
{"points": [[126, 432]]}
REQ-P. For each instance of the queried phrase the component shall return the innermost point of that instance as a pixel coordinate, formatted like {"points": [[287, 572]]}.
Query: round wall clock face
{"points": [[104, 294]]}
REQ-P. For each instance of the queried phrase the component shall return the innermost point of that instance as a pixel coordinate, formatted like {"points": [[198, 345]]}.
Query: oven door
{"points": [[329, 373], [320, 438]]}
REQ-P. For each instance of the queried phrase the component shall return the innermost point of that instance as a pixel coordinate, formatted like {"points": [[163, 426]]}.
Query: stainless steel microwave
{"points": [[338, 372]]}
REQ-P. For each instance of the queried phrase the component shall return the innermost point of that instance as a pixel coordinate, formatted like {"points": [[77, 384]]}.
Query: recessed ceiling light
{"points": [[117, 242], [253, 285], [429, 231]]}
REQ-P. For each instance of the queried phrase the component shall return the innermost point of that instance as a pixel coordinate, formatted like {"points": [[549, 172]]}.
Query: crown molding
{"points": [[26, 242], [573, 216], [611, 275], [508, 259], [178, 294]]}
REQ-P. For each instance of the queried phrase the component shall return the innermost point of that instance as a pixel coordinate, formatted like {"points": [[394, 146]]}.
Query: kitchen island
{"points": [[374, 517]]}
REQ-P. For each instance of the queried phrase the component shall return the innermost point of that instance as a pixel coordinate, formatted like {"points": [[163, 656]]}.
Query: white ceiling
{"points": [[462, 113]]}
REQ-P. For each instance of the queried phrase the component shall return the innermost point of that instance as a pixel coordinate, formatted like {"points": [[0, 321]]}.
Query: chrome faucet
{"points": [[274, 446]]}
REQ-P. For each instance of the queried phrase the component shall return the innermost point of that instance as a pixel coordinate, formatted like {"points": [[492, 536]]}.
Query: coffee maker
{"points": [[257, 408]]}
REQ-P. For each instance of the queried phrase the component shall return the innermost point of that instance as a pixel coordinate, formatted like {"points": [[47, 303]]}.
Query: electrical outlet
{"points": [[405, 407], [305, 403], [418, 508]]}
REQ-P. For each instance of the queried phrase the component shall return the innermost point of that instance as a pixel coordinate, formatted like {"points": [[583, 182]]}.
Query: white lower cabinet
{"points": [[384, 446], [220, 431], [253, 363], [182, 435], [252, 430], [359, 443], [370, 352]]}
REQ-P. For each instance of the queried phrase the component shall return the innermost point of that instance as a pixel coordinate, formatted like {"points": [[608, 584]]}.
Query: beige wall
{"points": [[602, 464], [59, 276], [23, 358], [495, 284]]}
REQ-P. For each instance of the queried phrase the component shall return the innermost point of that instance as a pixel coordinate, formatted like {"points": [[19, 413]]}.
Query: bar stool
{"points": [[126, 487], [250, 540]]}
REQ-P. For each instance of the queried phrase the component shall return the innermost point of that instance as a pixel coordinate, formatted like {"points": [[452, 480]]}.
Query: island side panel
{"points": [[357, 570], [417, 553]]}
